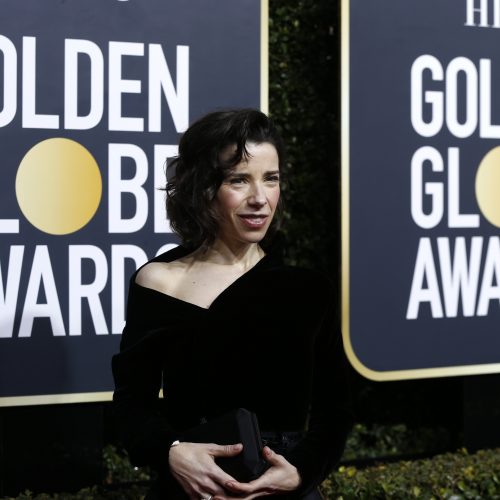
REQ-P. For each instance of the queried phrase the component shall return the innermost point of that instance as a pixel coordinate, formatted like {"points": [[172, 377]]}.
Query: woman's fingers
{"points": [[239, 497], [272, 457], [217, 451], [228, 450], [258, 486], [262, 482], [209, 487], [194, 467], [193, 464], [280, 477], [200, 489]]}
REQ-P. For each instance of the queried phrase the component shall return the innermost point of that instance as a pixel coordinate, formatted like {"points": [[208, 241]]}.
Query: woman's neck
{"points": [[244, 255]]}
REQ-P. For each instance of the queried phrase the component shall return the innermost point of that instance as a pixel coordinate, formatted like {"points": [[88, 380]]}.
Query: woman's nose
{"points": [[257, 195]]}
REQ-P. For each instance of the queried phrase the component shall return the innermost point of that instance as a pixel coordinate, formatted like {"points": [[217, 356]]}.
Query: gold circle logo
{"points": [[488, 186], [58, 186]]}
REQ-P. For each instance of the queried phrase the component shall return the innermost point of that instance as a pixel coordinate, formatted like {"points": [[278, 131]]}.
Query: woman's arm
{"points": [[145, 432], [144, 429], [330, 417]]}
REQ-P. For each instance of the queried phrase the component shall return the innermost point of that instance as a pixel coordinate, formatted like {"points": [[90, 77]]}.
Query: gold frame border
{"points": [[53, 399], [345, 243], [93, 397], [264, 56]]}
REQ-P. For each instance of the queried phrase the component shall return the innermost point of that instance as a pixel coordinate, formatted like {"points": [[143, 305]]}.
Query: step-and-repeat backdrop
{"points": [[93, 98], [421, 187]]}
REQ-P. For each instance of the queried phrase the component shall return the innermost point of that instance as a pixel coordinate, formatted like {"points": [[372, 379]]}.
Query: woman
{"points": [[221, 323]]}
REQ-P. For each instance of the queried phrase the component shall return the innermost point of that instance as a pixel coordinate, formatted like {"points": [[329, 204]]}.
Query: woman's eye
{"points": [[236, 180], [273, 178]]}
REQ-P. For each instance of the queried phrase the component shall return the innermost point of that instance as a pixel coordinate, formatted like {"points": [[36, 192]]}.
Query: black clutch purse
{"points": [[237, 426]]}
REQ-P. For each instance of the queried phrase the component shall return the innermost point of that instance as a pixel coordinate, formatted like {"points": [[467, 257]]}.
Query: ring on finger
{"points": [[208, 497]]}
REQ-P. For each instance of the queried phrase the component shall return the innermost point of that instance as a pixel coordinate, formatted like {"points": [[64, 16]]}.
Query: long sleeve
{"points": [[145, 432], [137, 372], [330, 417]]}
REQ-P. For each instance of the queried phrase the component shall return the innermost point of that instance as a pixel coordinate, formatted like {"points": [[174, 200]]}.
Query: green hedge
{"points": [[132, 492], [304, 103], [452, 476], [377, 441]]}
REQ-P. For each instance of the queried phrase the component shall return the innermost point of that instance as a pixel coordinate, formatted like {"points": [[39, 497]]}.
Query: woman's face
{"points": [[247, 198]]}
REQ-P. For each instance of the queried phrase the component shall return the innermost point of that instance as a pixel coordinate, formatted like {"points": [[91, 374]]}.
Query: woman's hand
{"points": [[281, 477], [193, 465]]}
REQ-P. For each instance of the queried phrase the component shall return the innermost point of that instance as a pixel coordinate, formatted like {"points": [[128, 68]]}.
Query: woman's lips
{"points": [[253, 221]]}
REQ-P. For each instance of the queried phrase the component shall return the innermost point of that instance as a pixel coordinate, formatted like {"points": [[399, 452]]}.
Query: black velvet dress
{"points": [[270, 343]]}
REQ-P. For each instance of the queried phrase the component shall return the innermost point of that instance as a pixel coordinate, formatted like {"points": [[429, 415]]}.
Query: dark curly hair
{"points": [[198, 170]]}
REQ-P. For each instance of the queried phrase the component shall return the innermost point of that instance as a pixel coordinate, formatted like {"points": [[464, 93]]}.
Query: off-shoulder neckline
{"points": [[192, 304]]}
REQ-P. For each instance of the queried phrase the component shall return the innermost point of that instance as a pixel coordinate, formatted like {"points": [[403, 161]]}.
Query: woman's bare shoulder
{"points": [[160, 275]]}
